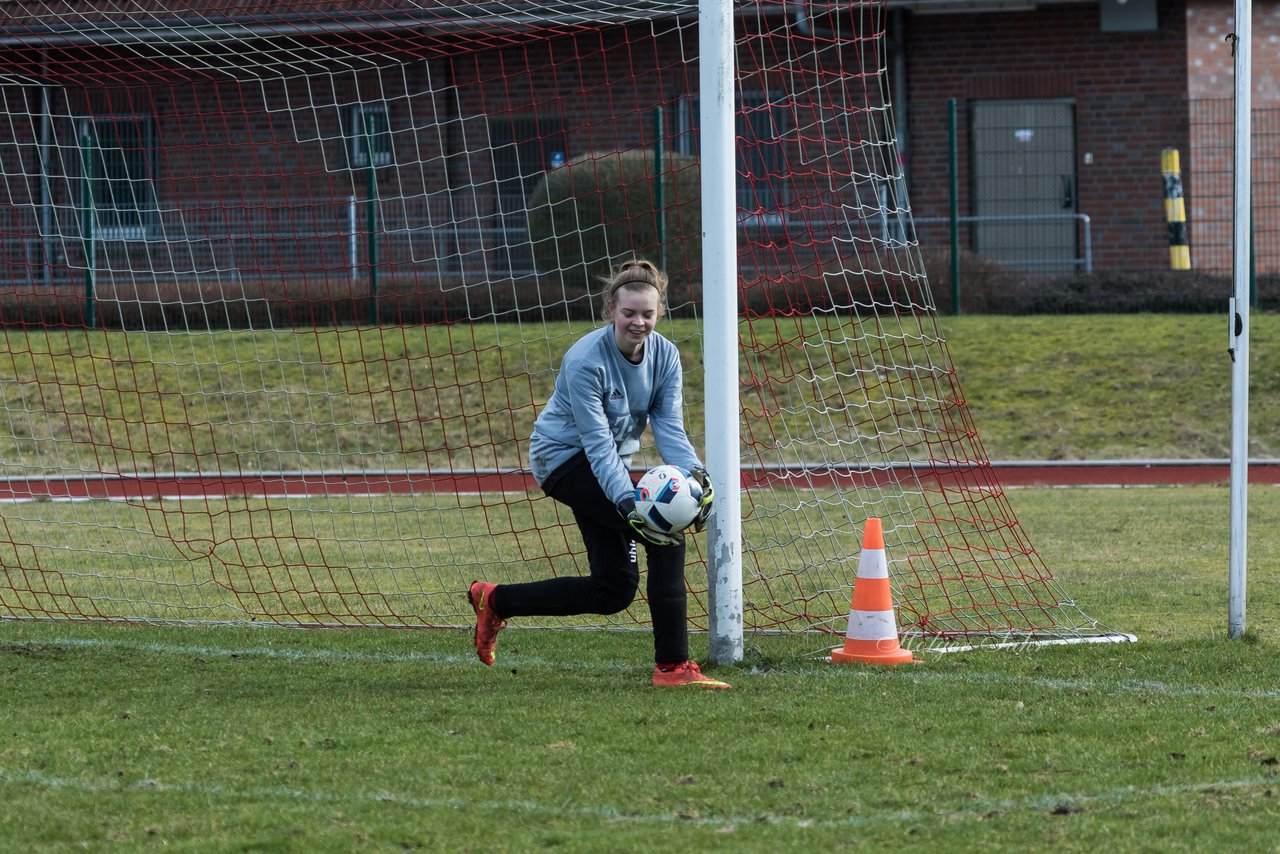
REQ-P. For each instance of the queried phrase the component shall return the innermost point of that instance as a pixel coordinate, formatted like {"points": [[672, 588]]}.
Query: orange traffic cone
{"points": [[873, 632]]}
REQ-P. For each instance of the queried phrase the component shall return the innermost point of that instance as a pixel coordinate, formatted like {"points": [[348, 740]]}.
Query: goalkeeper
{"points": [[612, 383]]}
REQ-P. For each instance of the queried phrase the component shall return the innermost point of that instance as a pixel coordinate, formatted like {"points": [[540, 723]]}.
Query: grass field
{"points": [[256, 739]]}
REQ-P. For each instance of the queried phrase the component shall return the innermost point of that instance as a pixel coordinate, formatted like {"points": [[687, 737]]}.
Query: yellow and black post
{"points": [[1175, 210]]}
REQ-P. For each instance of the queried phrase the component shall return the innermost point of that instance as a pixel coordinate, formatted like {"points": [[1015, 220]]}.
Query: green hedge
{"points": [[987, 287]]}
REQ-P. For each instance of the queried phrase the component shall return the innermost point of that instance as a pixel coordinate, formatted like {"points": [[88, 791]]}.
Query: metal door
{"points": [[1024, 183]]}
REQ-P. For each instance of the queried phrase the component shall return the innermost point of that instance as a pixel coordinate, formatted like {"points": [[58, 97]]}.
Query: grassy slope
{"points": [[1118, 387], [1112, 387]]}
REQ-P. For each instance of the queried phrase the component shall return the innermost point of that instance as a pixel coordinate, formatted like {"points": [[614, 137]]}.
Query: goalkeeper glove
{"points": [[708, 497], [627, 507]]}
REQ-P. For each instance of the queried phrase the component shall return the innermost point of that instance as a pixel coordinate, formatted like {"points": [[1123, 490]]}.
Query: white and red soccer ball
{"points": [[669, 498]]}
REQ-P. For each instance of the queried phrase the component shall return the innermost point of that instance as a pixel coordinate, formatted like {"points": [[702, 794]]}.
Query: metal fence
{"points": [[281, 238], [1209, 190], [44, 246], [1080, 261]]}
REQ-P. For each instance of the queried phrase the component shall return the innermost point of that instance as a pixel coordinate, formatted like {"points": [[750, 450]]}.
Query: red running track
{"points": [[1007, 474]]}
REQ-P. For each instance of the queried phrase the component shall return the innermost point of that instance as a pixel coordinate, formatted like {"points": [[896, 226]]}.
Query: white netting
{"points": [[289, 286]]}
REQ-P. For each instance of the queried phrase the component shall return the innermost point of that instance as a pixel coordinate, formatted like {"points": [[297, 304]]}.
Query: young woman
{"points": [[612, 383]]}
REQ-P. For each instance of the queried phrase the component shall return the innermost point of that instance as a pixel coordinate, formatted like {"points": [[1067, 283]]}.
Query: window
{"points": [[762, 126], [369, 127], [121, 159]]}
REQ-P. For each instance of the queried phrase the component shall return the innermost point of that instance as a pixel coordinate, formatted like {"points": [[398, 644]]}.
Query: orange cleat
{"points": [[488, 624], [685, 673]]}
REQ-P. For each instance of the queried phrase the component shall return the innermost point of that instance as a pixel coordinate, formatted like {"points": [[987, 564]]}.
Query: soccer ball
{"points": [[668, 497]]}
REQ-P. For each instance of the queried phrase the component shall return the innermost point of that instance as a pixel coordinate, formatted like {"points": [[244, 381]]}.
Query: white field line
{"points": [[1129, 686], [972, 810], [914, 674]]}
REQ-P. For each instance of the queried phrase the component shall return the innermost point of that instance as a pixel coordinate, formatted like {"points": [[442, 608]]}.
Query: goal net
{"points": [[283, 286]]}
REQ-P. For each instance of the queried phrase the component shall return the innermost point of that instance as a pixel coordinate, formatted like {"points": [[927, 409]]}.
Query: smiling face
{"points": [[634, 312]]}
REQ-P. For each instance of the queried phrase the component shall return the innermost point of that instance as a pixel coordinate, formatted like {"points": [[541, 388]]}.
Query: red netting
{"points": [[284, 285]]}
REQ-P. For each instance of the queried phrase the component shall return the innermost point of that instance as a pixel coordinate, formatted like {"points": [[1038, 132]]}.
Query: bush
{"points": [[1120, 292], [988, 287], [276, 303], [597, 209]]}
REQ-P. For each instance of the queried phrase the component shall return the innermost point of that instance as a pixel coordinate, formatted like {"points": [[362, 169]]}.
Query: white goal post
{"points": [[1238, 319], [720, 327]]}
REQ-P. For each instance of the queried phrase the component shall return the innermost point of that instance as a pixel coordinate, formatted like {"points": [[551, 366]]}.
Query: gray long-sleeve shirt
{"points": [[602, 403]]}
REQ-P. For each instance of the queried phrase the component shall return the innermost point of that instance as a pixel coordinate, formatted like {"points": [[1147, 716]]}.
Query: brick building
{"points": [[1063, 110], [1101, 88]]}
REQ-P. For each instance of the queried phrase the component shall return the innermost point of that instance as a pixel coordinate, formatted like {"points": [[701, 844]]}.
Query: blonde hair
{"points": [[634, 275]]}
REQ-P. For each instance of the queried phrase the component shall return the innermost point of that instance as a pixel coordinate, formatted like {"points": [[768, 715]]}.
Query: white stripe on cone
{"points": [[873, 564], [872, 626]]}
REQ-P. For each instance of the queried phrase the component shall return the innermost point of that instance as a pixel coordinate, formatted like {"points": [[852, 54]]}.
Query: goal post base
{"points": [[936, 645]]}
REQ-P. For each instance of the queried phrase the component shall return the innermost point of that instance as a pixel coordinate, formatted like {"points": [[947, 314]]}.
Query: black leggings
{"points": [[615, 572]]}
